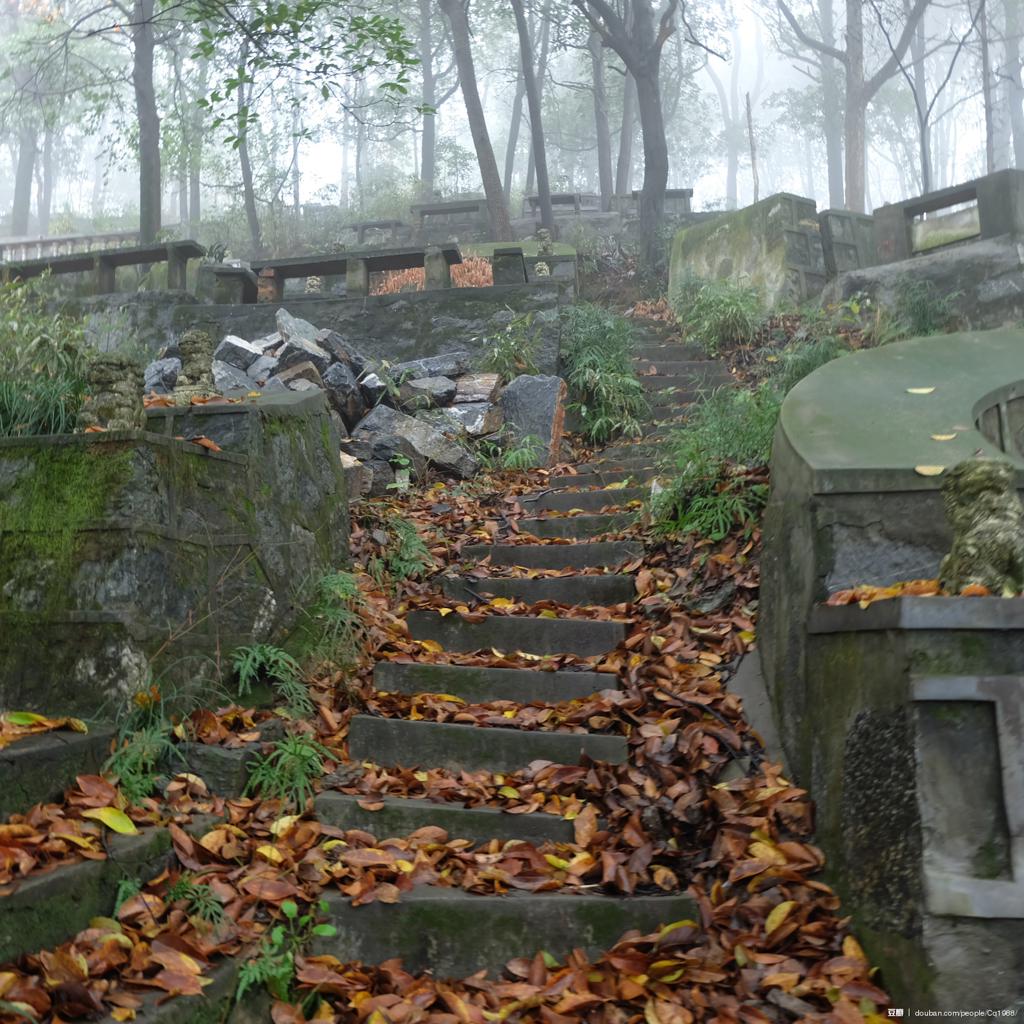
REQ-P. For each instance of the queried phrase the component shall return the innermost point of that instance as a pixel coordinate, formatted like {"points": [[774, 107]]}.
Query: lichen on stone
{"points": [[987, 520], [195, 380], [114, 384]]}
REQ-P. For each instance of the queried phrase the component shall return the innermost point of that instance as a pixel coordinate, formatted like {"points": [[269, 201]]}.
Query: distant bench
{"points": [[104, 263], [462, 214], [357, 266], [579, 201], [391, 227]]}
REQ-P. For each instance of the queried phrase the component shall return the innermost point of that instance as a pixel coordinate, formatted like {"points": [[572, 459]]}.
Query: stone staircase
{"points": [[450, 931]]}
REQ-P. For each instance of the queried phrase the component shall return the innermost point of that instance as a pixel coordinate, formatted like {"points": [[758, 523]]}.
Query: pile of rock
{"points": [[394, 419]]}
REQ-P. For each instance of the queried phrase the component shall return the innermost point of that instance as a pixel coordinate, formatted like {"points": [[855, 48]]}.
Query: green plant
{"points": [[201, 899], [127, 887], [403, 554], [143, 746], [721, 313], [256, 661], [597, 354], [514, 350], [274, 963], [288, 770], [920, 310], [335, 621]]}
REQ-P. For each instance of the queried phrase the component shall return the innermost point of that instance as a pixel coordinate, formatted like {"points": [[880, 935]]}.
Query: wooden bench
{"points": [[104, 263], [357, 267], [579, 201]]}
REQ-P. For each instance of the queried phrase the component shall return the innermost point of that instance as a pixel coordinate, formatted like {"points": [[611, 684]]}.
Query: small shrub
{"points": [[920, 310], [259, 661], [514, 350], [597, 354], [143, 746], [288, 771], [336, 621], [403, 554], [720, 314], [202, 901]]}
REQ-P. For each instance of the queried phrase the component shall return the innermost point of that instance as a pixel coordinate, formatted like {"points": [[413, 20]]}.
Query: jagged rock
{"points": [[358, 476], [339, 349], [270, 341], [300, 371], [477, 387], [301, 384], [469, 419], [451, 364], [430, 443], [534, 411], [264, 368], [426, 393], [230, 378], [291, 328], [374, 388], [114, 394], [987, 519], [385, 455], [161, 374], [236, 352], [300, 350], [345, 394]]}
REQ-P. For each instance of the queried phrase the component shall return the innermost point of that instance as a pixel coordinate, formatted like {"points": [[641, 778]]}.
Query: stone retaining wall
{"points": [[903, 719], [127, 553]]}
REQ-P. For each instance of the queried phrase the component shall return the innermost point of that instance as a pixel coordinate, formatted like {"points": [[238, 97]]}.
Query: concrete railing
{"points": [[905, 719]]}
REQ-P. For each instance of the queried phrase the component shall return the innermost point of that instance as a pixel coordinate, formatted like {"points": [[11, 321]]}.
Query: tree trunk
{"points": [[856, 113], [513, 129], [753, 150], [195, 153], [917, 54], [652, 194], [45, 204], [601, 129], [986, 93], [252, 216], [624, 165], [547, 217], [21, 210], [143, 47], [497, 208], [542, 70], [1014, 89], [428, 142], [832, 110]]}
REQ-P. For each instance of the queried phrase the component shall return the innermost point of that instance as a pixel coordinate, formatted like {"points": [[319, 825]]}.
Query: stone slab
{"points": [[588, 501], [479, 685], [975, 613], [607, 588], [584, 637], [39, 768], [440, 929], [576, 527], [612, 476], [401, 815], [394, 741], [597, 554]]}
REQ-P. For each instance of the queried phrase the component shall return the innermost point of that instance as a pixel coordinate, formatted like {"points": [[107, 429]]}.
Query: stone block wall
{"points": [[125, 554]]}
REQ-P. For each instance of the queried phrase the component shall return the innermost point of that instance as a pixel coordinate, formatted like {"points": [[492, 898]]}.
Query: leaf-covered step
{"points": [[392, 742], [454, 934], [587, 501], [391, 816], [603, 554], [639, 470], [576, 527], [529, 633], [607, 588], [690, 369], [478, 685]]}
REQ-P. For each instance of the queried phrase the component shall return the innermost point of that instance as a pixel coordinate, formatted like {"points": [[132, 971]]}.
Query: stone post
{"points": [[114, 401], [270, 286], [436, 271], [105, 276], [508, 266], [357, 278]]}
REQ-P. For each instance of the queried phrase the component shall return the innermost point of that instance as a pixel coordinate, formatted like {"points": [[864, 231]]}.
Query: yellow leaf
{"points": [[85, 842], [510, 792], [420, 776], [748, 636], [852, 949], [24, 718], [685, 923], [556, 862], [547, 613], [943, 437], [430, 645], [283, 825], [770, 854], [778, 915], [444, 611], [929, 470], [502, 602], [449, 697], [115, 820], [619, 485], [269, 853], [741, 956], [920, 391], [511, 713], [333, 844], [122, 1013], [405, 865]]}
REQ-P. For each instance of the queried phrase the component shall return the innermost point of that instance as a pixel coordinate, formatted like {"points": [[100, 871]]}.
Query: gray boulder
{"points": [[374, 388], [237, 352], [451, 364], [265, 344], [261, 370], [384, 455], [230, 378], [534, 409], [344, 393], [300, 371], [299, 350], [341, 351], [426, 393], [477, 387], [358, 476], [477, 418], [291, 328], [431, 444], [161, 375]]}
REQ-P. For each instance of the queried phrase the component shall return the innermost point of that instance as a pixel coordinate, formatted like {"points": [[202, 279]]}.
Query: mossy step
{"points": [[685, 382], [529, 633], [663, 414], [595, 554], [49, 908], [479, 685], [576, 527], [674, 396], [392, 742], [608, 588], [455, 934], [672, 351], [586, 500], [402, 815]]}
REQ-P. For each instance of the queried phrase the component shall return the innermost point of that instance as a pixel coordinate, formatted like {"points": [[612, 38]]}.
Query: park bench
{"points": [[26, 248], [357, 267], [579, 201], [454, 215], [103, 263], [392, 227]]}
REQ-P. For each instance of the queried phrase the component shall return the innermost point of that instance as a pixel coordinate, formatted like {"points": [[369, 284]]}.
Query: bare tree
{"points": [[536, 124], [601, 129]]}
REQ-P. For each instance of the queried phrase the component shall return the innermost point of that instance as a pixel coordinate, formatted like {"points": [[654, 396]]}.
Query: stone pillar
{"points": [[177, 269], [105, 276], [892, 234], [357, 278], [270, 287], [436, 271], [508, 266]]}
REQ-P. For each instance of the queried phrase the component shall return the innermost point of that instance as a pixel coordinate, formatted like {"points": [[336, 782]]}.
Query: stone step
{"points": [[598, 477], [661, 414], [479, 685], [626, 459], [597, 554], [47, 909], [673, 397], [609, 588], [392, 742], [454, 934], [673, 351], [587, 501], [532, 634], [686, 383], [690, 369], [39, 768], [576, 527], [402, 815]]}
